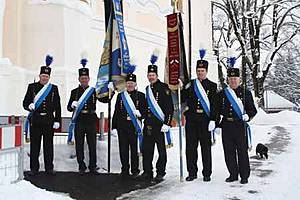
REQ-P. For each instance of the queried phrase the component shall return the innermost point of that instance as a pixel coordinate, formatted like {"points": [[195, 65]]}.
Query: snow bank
{"points": [[25, 190], [281, 118]]}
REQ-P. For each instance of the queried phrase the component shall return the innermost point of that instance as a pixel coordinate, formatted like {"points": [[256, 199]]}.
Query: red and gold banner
{"points": [[173, 49]]}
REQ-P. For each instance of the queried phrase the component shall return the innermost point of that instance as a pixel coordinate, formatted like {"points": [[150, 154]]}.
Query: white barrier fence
{"points": [[11, 153], [12, 144]]}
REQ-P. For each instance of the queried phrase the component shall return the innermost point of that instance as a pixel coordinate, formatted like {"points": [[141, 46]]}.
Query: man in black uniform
{"points": [[199, 123], [122, 125], [234, 135], [42, 121], [86, 121], [154, 129]]}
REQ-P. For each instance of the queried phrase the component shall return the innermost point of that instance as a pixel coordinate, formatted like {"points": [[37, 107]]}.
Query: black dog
{"points": [[262, 150]]}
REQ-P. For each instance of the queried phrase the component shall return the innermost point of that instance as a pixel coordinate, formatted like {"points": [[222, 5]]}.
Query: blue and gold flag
{"points": [[114, 62]]}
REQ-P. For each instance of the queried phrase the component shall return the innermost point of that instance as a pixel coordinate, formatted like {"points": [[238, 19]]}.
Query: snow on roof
{"points": [[283, 118], [274, 100]]}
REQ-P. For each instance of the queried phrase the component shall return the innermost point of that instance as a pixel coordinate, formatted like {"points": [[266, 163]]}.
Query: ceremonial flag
{"points": [[114, 64]]}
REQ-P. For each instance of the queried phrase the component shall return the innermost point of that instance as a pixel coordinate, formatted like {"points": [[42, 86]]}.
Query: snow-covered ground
{"points": [[25, 190], [275, 178]]}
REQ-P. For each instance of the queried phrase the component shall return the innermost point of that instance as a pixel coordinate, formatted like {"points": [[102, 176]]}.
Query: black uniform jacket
{"points": [[194, 110], [120, 114], [163, 96], [50, 109]]}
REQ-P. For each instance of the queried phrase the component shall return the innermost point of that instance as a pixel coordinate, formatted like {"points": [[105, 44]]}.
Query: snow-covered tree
{"points": [[284, 79], [257, 30]]}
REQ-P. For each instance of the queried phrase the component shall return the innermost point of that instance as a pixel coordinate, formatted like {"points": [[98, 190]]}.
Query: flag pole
{"points": [[190, 38], [180, 130], [179, 111], [110, 92]]}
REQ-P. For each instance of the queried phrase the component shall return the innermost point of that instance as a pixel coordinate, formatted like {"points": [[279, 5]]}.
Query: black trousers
{"points": [[236, 149], [152, 136], [128, 142], [37, 131], [195, 132], [86, 128]]}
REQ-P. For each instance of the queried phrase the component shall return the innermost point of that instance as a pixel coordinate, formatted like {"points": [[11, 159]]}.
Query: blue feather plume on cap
{"points": [[231, 61], [49, 60], [202, 53], [154, 56], [131, 68], [83, 62], [153, 59]]}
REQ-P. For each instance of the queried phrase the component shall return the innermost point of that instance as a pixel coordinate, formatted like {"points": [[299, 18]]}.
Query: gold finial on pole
{"points": [[175, 5]]}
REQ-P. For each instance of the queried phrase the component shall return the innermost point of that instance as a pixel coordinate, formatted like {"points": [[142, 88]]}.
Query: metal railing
{"points": [[11, 156]]}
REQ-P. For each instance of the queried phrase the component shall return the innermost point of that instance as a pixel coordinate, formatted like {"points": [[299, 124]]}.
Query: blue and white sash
{"points": [[82, 100], [202, 96], [37, 101], [238, 108], [130, 108], [158, 113]]}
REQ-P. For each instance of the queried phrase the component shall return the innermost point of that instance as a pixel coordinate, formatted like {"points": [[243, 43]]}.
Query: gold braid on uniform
{"points": [[169, 120], [52, 97], [121, 105], [137, 104]]}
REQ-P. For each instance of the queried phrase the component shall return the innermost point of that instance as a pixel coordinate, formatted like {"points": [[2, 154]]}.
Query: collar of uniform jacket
{"points": [[156, 83], [238, 89], [131, 92], [204, 81], [82, 88]]}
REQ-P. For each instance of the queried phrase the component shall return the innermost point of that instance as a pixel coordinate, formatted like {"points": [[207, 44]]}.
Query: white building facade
{"points": [[30, 29]]}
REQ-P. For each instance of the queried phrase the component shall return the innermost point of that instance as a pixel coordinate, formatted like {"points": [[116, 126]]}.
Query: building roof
{"points": [[274, 100]]}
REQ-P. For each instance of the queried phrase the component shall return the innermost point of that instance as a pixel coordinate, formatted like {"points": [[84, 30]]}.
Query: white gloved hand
{"points": [[114, 132], [137, 113], [56, 125], [245, 117], [31, 106], [74, 104], [165, 128], [111, 86], [211, 125]]}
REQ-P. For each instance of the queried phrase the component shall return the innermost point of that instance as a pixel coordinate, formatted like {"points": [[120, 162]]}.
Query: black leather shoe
{"points": [[244, 181], [124, 175], [191, 178], [33, 173], [94, 171], [134, 175], [81, 172], [231, 179], [158, 178], [206, 179], [145, 177], [51, 172]]}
